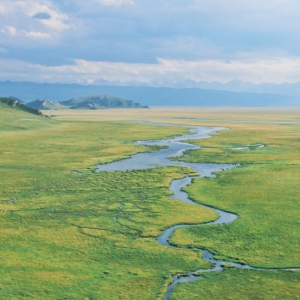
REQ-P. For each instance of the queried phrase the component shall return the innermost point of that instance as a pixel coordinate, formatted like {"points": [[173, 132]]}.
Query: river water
{"points": [[173, 148]]}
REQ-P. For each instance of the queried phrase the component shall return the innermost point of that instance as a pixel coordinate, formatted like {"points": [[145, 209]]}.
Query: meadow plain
{"points": [[70, 233]]}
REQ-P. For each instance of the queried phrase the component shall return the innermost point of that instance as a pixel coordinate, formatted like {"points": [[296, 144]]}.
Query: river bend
{"points": [[173, 148]]}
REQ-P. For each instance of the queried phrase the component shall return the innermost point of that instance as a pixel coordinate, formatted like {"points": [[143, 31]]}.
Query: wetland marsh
{"points": [[92, 235]]}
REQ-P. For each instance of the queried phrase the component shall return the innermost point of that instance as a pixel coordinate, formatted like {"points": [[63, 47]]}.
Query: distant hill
{"points": [[17, 105], [152, 96], [14, 98], [100, 102], [46, 104]]}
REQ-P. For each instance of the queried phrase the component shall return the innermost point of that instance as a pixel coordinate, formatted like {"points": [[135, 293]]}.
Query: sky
{"points": [[76, 41]]}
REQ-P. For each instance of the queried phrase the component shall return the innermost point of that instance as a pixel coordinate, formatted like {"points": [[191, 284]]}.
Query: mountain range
{"points": [[151, 96], [99, 102], [88, 102], [45, 104], [289, 89]]}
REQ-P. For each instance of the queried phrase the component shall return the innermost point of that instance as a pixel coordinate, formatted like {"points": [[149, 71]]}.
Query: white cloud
{"points": [[114, 2], [256, 70], [193, 38], [10, 30], [36, 35], [19, 19], [58, 21]]}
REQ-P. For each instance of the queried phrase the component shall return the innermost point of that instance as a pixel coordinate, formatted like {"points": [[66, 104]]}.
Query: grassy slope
{"points": [[14, 104], [59, 238]]}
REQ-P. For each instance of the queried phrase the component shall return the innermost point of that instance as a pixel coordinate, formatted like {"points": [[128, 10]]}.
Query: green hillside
{"points": [[16, 116], [100, 102], [17, 105], [46, 104]]}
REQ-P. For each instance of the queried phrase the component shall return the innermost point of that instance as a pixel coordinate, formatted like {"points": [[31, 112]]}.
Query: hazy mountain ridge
{"points": [[87, 102], [290, 89], [100, 102], [45, 104], [152, 96]]}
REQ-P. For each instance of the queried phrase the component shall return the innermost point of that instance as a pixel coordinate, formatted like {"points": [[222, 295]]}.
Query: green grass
{"points": [[241, 285], [264, 192], [65, 238], [14, 118], [266, 200], [90, 235], [59, 239], [281, 145], [14, 104]]}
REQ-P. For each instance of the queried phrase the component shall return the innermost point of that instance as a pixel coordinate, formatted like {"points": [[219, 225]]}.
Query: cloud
{"points": [[42, 16], [122, 39], [49, 15], [114, 2], [36, 34], [256, 70], [32, 19], [10, 30]]}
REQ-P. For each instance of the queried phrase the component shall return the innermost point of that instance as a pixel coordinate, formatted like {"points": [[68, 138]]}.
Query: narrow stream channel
{"points": [[224, 218], [174, 148]]}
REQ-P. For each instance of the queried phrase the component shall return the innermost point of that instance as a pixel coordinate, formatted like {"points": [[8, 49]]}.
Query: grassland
{"points": [[189, 115], [236, 284], [85, 235], [263, 192], [88, 235]]}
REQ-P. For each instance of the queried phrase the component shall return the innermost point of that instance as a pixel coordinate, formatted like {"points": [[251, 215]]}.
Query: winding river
{"points": [[173, 148]]}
